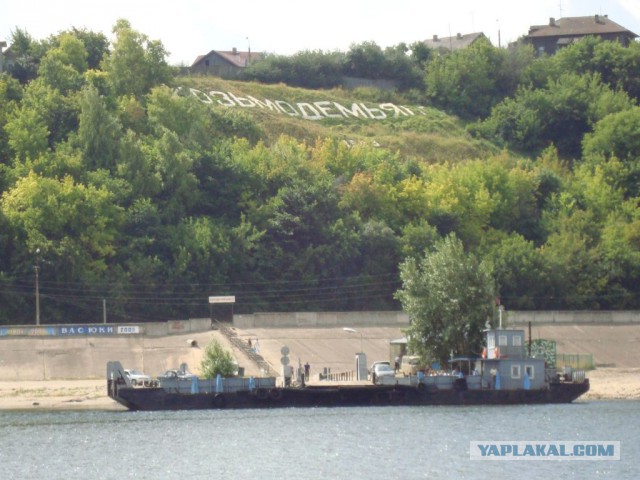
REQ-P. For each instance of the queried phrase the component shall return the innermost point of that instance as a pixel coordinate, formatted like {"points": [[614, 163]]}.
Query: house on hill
{"points": [[451, 44], [548, 39], [226, 64]]}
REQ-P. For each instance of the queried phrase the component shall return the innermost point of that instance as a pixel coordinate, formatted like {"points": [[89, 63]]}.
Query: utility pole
{"points": [[37, 268]]}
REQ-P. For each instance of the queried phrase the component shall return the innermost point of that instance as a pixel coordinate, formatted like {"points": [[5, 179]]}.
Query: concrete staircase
{"points": [[243, 346]]}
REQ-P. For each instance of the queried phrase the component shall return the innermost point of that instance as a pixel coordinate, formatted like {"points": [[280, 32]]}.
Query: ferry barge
{"points": [[503, 375]]}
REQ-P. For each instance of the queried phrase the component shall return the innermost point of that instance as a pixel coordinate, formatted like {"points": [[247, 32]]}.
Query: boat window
{"points": [[529, 370], [515, 371], [491, 341], [517, 341], [502, 340]]}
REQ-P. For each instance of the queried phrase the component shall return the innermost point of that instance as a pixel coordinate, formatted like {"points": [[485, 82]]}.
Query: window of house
{"points": [[529, 370], [515, 371]]}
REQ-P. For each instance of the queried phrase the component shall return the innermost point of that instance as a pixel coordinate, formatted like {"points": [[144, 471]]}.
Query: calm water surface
{"points": [[318, 443]]}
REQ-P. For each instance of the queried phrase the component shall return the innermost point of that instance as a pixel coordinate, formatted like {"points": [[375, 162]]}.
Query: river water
{"points": [[315, 443]]}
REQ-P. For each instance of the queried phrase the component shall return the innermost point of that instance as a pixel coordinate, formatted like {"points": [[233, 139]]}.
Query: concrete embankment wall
{"points": [[48, 352], [321, 319], [401, 319], [56, 358], [172, 327], [573, 316], [82, 351]]}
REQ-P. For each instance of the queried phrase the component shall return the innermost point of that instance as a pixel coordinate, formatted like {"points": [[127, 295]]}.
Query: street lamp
{"points": [[353, 330], [361, 358], [36, 267]]}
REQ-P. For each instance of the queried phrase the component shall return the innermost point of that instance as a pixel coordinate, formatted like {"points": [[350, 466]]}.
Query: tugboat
{"points": [[503, 375]]}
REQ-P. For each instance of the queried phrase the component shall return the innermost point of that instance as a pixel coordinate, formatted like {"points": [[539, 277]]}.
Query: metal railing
{"points": [[578, 361], [339, 376]]}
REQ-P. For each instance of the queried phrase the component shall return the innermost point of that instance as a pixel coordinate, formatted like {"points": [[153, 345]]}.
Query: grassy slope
{"points": [[433, 137]]}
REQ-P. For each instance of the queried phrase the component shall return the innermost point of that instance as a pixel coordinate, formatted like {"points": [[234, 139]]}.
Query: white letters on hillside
{"points": [[308, 110]]}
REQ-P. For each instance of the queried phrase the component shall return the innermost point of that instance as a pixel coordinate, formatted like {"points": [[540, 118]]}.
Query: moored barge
{"points": [[503, 375]]}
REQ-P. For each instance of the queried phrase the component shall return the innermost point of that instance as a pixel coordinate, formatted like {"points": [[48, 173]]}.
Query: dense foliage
{"points": [[117, 188], [318, 69]]}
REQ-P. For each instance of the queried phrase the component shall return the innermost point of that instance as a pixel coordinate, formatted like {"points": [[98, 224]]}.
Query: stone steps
{"points": [[241, 345]]}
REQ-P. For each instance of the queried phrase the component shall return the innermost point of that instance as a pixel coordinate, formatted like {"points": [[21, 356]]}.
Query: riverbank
{"points": [[56, 395], [613, 384], [606, 384]]}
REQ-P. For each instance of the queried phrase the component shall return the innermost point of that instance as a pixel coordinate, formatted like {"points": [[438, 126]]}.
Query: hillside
{"points": [[129, 190], [380, 118]]}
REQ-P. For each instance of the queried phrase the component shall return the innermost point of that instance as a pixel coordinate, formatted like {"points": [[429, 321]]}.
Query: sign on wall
{"points": [[73, 330], [225, 299], [129, 330], [27, 331]]}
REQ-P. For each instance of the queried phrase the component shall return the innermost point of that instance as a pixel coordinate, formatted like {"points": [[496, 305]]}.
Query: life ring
{"points": [[262, 394], [496, 352], [275, 394], [484, 352], [219, 401]]}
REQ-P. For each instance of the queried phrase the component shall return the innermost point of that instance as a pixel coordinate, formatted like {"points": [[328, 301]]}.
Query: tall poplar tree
{"points": [[449, 296]]}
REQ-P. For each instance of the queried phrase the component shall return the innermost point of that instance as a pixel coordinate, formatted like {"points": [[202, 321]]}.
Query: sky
{"points": [[188, 28]]}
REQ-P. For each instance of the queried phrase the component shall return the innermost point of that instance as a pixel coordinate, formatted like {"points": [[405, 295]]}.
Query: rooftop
{"points": [[235, 57], [578, 26], [453, 43]]}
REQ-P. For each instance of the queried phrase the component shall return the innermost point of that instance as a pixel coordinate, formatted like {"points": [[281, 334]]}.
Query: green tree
{"points": [[27, 54], [298, 230], [96, 45], [518, 270], [58, 112], [620, 252], [217, 360], [64, 219], [137, 167], [365, 60], [74, 228], [98, 131], [616, 135], [27, 134], [617, 65], [559, 114], [403, 68], [449, 296], [62, 67], [136, 63], [465, 82], [307, 69], [173, 170], [421, 54], [10, 95]]}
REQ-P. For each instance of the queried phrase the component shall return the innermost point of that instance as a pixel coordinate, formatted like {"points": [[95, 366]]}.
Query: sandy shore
{"points": [[56, 395], [614, 384], [606, 384]]}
